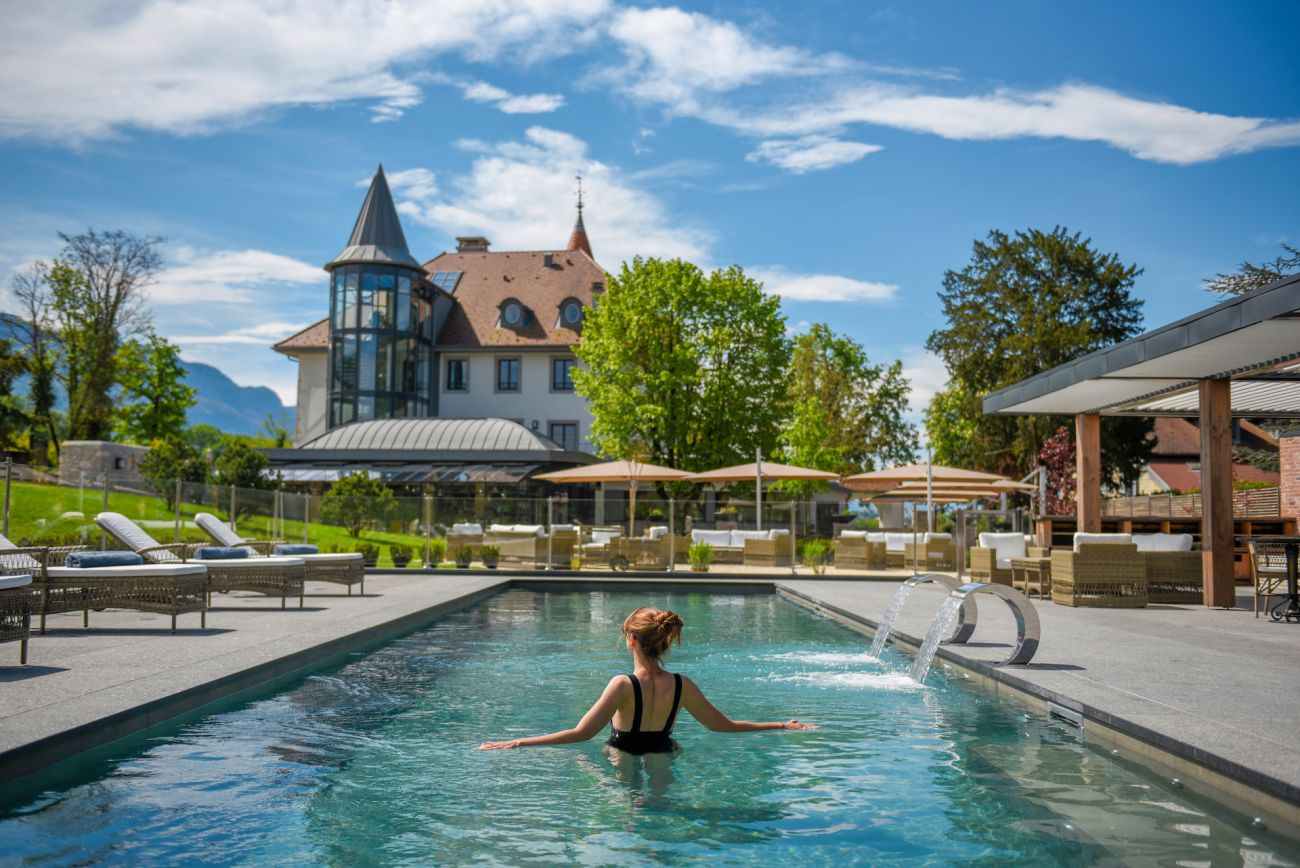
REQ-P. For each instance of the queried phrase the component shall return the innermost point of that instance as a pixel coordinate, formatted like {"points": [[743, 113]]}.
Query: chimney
{"points": [[471, 244], [548, 260]]}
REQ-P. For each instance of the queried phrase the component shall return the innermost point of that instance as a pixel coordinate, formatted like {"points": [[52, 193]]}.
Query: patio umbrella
{"points": [[758, 471], [931, 474], [631, 472]]}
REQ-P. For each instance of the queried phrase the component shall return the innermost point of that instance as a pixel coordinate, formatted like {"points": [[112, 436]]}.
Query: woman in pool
{"points": [[643, 705]]}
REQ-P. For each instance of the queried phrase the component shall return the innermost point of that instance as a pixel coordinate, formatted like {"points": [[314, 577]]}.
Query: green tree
{"points": [[1024, 304], [154, 398], [13, 416], [847, 414], [31, 289], [204, 437], [275, 428], [950, 421], [356, 499], [170, 459], [1249, 276], [689, 367], [240, 465]]}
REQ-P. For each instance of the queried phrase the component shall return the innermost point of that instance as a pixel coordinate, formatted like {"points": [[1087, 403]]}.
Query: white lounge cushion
{"points": [[253, 563], [738, 537], [131, 534], [853, 534], [601, 537], [778, 532], [467, 529], [217, 529], [1093, 538], [564, 527], [7, 582], [534, 529], [330, 557], [1005, 547], [1163, 542], [658, 531], [936, 537], [875, 536], [895, 542], [177, 569], [719, 539], [500, 528]]}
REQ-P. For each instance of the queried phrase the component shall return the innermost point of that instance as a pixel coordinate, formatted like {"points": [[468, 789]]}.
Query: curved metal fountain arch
{"points": [[1027, 626], [967, 615]]}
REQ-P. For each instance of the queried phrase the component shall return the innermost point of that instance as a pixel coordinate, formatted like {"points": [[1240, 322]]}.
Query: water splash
{"points": [[887, 620], [939, 626], [824, 658], [852, 680]]}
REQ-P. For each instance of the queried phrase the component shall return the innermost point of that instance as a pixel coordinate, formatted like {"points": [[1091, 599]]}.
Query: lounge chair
{"points": [[273, 576], [165, 589], [16, 612], [896, 548], [990, 561], [860, 550], [1102, 570], [931, 551], [342, 568], [596, 550]]}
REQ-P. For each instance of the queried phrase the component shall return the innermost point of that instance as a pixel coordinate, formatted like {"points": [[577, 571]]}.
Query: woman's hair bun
{"points": [[655, 630]]}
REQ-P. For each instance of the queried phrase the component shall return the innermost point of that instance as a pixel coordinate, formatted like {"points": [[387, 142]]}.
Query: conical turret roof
{"points": [[377, 237]]}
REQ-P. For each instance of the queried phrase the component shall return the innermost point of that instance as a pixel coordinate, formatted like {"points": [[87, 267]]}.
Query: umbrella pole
{"points": [[929, 489], [631, 511], [758, 486]]}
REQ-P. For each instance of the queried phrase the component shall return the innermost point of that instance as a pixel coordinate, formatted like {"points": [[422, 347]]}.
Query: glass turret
{"points": [[381, 320]]}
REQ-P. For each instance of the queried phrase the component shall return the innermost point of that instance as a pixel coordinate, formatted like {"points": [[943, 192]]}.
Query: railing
{"points": [[1251, 503]]}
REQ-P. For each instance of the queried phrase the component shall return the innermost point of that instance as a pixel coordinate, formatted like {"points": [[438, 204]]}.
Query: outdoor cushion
{"points": [[601, 537], [853, 534], [658, 531], [131, 534], [220, 553], [467, 529], [895, 542], [297, 549], [501, 528], [738, 537], [564, 527], [217, 529], [1112, 538], [142, 571], [534, 529], [778, 531], [719, 539], [328, 556], [1005, 547], [875, 536], [252, 563], [1163, 542], [7, 582], [81, 560], [936, 537]]}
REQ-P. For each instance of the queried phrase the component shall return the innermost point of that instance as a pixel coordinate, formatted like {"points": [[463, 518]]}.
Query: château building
{"points": [[474, 334]]}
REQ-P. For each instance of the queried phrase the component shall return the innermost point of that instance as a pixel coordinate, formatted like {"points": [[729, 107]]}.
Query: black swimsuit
{"points": [[637, 742]]}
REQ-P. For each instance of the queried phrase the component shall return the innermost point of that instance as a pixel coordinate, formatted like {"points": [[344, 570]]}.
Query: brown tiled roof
{"points": [[488, 279], [315, 337], [1177, 436], [1180, 475]]}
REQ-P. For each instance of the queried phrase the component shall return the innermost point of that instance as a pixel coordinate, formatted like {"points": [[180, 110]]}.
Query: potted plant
{"points": [[490, 555], [437, 552], [816, 554], [370, 552], [401, 555], [463, 555], [701, 557], [575, 562]]}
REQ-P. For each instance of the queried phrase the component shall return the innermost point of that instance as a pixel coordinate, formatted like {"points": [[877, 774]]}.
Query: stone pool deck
{"points": [[1204, 695]]}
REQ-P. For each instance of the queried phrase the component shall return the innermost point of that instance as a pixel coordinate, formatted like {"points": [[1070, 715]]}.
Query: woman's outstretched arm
{"points": [[592, 722], [694, 701]]}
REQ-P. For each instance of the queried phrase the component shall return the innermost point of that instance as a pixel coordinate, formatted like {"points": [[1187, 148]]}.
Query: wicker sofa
{"points": [[931, 551], [732, 546], [1173, 570], [990, 561], [1101, 570], [860, 550], [530, 545]]}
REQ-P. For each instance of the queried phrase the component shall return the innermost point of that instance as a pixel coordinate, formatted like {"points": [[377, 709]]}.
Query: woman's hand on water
{"points": [[794, 724], [499, 745]]}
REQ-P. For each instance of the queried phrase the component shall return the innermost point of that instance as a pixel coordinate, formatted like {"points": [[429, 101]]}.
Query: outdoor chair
{"points": [[273, 576], [464, 534], [164, 589], [770, 553], [1102, 570], [932, 551], [1173, 570], [530, 544], [860, 550], [341, 568], [596, 550], [16, 612], [1267, 570], [990, 561], [896, 548]]}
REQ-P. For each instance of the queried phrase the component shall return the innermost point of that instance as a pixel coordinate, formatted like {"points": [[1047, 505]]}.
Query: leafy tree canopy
{"points": [[689, 368], [169, 459], [1250, 276], [153, 399], [847, 414], [1026, 303], [13, 416], [356, 499], [240, 465]]}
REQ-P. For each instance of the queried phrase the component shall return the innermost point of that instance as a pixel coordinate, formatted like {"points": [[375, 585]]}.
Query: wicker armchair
{"points": [[931, 554], [1267, 570], [859, 553], [1107, 575], [1174, 577], [769, 553]]}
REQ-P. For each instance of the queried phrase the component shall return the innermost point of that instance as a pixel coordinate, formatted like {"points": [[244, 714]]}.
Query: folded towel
{"points": [[221, 553], [87, 560], [297, 549]]}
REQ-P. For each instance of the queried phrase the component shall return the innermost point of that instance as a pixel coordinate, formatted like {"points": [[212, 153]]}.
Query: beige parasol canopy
{"points": [[893, 477], [1001, 486], [631, 472], [758, 471]]}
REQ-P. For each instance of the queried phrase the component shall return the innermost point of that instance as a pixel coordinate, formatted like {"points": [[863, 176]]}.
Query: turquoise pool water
{"points": [[373, 762]]}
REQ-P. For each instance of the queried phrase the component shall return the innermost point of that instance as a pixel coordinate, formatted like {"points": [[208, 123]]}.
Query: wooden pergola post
{"points": [[1087, 471], [1216, 494]]}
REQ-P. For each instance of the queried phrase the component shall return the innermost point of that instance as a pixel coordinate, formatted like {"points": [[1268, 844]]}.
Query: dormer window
{"points": [[513, 315], [570, 314]]}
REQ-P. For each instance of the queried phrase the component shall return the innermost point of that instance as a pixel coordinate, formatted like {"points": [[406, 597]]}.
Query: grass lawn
{"points": [[36, 510]]}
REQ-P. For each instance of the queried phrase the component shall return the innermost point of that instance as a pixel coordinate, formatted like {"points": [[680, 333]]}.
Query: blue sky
{"points": [[847, 153]]}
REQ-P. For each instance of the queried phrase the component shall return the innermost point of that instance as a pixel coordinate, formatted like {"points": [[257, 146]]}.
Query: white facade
{"points": [[312, 396], [535, 405]]}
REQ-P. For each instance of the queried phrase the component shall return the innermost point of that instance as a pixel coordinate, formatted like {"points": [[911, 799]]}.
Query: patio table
{"points": [[1032, 574], [1288, 608]]}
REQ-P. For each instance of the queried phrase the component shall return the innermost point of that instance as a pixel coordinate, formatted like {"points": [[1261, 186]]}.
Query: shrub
{"points": [[400, 553], [816, 554], [463, 556], [491, 556], [701, 556], [437, 552], [356, 499], [370, 552]]}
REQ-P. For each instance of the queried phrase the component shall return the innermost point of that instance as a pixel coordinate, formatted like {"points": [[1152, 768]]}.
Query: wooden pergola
{"points": [[1240, 358]]}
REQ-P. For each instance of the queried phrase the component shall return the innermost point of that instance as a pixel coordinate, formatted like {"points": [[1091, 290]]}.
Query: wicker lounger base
{"points": [[16, 618], [273, 580], [347, 572], [1175, 592], [162, 595]]}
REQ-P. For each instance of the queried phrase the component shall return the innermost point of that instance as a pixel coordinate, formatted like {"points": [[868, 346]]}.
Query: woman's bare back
{"points": [[656, 702]]}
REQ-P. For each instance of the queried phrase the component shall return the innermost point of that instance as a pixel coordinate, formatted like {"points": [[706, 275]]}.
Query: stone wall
{"points": [[95, 458], [1289, 456]]}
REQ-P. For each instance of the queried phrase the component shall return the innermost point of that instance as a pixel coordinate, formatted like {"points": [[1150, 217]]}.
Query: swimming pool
{"points": [[373, 761]]}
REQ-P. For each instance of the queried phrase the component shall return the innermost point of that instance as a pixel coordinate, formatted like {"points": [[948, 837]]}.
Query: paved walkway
{"points": [[1216, 685]]}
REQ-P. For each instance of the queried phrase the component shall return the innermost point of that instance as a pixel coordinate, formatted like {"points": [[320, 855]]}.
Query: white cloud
{"points": [[521, 194], [512, 104], [227, 277], [927, 375], [259, 335], [809, 153], [413, 183], [190, 68], [821, 287]]}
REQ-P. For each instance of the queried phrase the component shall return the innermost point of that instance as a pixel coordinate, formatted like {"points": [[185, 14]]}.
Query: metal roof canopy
{"points": [[1254, 339]]}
